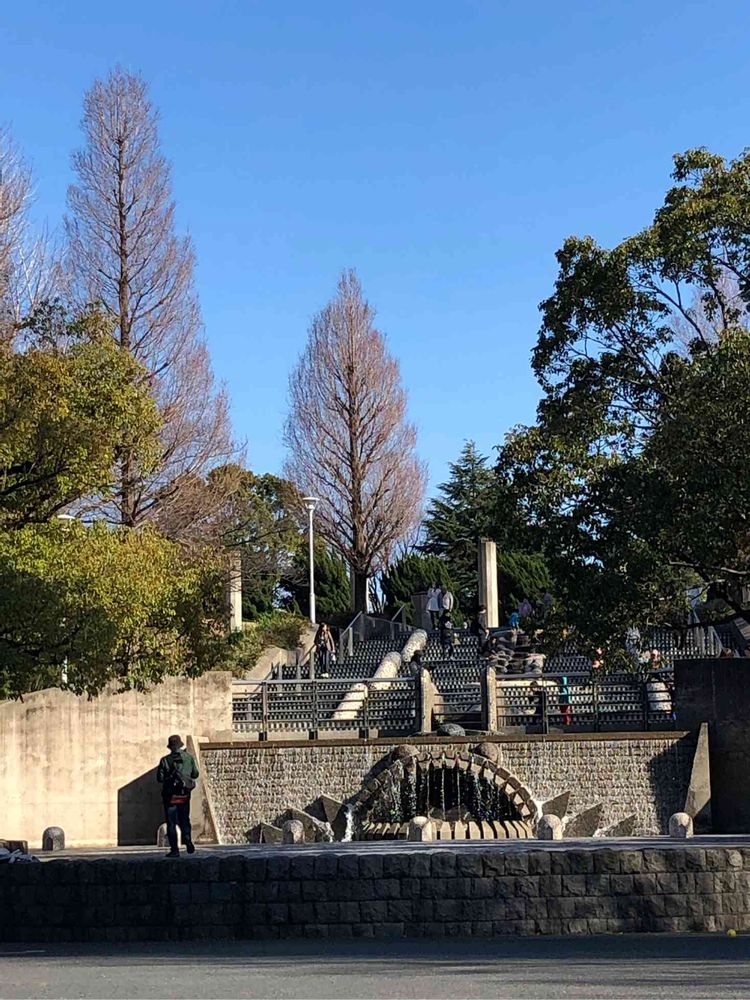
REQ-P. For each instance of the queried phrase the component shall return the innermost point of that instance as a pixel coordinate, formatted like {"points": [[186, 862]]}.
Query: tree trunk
{"points": [[359, 591]]}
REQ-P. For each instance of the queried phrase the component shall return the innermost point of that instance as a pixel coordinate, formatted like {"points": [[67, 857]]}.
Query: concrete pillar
{"points": [[487, 565], [421, 614], [234, 591], [489, 698]]}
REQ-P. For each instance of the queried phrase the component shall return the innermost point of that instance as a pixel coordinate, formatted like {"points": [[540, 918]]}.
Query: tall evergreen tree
{"points": [[464, 512], [332, 586]]}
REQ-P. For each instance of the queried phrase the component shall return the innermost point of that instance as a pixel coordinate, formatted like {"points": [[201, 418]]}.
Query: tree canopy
{"points": [[633, 474], [87, 602], [94, 605]]}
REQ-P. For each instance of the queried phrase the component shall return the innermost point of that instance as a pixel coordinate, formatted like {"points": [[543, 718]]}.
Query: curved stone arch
{"points": [[518, 794]]}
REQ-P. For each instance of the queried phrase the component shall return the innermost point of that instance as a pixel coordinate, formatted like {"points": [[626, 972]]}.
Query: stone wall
{"points": [[89, 765], [392, 892], [644, 774]]}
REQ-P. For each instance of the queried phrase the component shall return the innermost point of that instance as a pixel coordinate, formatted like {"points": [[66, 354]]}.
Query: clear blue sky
{"points": [[443, 149]]}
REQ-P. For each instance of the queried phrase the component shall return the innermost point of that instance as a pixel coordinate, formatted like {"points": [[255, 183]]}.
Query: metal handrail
{"points": [[400, 614], [346, 639]]}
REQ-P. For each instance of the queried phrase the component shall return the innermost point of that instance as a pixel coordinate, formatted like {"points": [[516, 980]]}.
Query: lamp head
{"points": [[309, 502]]}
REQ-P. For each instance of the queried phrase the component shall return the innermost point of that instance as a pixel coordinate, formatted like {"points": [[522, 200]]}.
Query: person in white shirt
{"points": [[434, 604], [448, 600]]}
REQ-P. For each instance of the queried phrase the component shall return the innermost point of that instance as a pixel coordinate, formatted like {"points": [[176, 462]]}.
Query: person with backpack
{"points": [[177, 774]]}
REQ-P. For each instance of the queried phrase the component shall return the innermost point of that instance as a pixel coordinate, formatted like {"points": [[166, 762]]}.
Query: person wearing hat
{"points": [[177, 773]]}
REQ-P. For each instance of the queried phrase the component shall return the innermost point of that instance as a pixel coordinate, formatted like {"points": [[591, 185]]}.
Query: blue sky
{"points": [[445, 150]]}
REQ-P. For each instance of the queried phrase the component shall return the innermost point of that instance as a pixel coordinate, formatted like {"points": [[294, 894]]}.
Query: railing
{"points": [[585, 703], [312, 706], [364, 627]]}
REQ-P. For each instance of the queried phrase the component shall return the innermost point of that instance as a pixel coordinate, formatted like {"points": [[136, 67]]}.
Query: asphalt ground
{"points": [[647, 966]]}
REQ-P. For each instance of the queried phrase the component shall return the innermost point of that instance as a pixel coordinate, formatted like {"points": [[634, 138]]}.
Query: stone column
{"points": [[489, 698], [487, 565], [234, 591], [421, 614]]}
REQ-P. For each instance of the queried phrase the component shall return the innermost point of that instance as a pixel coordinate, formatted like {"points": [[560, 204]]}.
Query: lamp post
{"points": [[66, 519], [309, 503]]}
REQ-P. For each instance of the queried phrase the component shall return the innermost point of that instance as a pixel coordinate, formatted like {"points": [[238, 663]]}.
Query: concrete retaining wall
{"points": [[89, 765], [298, 892], [642, 774]]}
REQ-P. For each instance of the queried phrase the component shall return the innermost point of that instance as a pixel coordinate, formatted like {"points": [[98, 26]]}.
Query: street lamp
{"points": [[66, 519], [309, 503]]}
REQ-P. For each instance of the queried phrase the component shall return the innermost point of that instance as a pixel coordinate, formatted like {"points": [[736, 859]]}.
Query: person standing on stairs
{"points": [[434, 601], [448, 601], [325, 647], [446, 635]]}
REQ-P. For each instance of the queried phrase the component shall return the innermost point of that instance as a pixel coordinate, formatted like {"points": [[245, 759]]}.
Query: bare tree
{"points": [[349, 440], [124, 254], [29, 270]]}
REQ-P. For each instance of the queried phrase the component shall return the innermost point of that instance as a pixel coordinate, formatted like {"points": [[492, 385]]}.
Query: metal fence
{"points": [[325, 705], [365, 627], [585, 703]]}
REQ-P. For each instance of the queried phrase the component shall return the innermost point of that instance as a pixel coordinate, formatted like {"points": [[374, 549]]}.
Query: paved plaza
{"points": [[651, 967]]}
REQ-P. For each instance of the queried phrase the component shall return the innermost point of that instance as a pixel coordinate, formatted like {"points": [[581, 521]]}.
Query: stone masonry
{"points": [[345, 891], [645, 775]]}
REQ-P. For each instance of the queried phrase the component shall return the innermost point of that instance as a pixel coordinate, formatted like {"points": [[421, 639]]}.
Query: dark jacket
{"points": [[172, 770]]}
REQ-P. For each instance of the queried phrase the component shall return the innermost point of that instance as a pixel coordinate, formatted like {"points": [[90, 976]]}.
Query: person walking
{"points": [[324, 647], [446, 634], [177, 774], [434, 598]]}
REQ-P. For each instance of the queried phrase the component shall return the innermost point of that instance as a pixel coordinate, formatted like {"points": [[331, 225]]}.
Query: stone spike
{"points": [[586, 823], [557, 806], [270, 834], [625, 828]]}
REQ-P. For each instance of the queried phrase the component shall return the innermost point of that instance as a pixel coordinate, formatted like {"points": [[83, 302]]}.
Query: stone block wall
{"points": [[642, 774], [395, 892]]}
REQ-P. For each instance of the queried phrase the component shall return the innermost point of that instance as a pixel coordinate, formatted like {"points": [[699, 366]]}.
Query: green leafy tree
{"points": [[261, 516], [634, 473], [462, 513], [102, 606], [80, 605], [413, 574], [521, 575], [66, 412], [332, 586]]}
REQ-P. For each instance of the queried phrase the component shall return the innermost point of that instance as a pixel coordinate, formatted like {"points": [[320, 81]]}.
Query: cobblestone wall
{"points": [[637, 775], [419, 891]]}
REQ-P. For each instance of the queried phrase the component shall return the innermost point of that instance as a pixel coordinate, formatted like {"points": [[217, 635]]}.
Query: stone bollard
{"points": [[53, 839], [161, 836], [293, 832], [421, 828], [549, 827], [680, 826]]}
